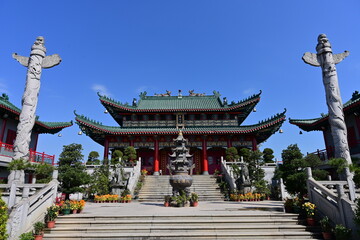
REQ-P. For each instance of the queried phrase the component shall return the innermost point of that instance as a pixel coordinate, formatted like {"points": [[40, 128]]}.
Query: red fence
{"points": [[7, 150]]}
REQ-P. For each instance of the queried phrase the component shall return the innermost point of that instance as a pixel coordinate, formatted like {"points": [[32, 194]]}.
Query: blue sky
{"points": [[121, 48]]}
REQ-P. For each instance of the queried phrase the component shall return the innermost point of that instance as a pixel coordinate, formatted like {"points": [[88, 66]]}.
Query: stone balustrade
{"points": [[27, 203], [338, 205]]}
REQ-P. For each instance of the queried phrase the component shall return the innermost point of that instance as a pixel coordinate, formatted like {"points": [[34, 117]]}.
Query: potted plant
{"points": [[325, 227], [341, 232], [74, 206], [65, 208], [51, 215], [39, 230], [167, 200], [288, 205], [26, 236], [310, 212], [81, 205], [194, 199]]}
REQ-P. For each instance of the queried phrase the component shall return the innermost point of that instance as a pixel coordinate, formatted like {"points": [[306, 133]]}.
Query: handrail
{"points": [[30, 209], [229, 173], [336, 205], [8, 151]]}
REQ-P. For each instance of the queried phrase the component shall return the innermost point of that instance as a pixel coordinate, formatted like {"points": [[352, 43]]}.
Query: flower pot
{"points": [[50, 224], [74, 211], [310, 221], [38, 237], [327, 235], [79, 211], [66, 211], [194, 204], [166, 204]]}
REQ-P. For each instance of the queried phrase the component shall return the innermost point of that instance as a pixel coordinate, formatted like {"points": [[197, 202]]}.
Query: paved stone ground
{"points": [[157, 208]]}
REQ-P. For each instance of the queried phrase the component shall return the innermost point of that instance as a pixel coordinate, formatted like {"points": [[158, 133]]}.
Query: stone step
{"points": [[184, 235]]}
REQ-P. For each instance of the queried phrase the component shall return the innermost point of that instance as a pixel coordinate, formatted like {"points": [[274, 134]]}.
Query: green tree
{"points": [[100, 183], [268, 155], [231, 154], [43, 172], [116, 156], [72, 173], [129, 154], [293, 170], [93, 158]]}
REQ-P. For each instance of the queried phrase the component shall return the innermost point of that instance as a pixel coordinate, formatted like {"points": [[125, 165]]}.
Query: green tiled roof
{"points": [[316, 124], [93, 128], [41, 127], [175, 103]]}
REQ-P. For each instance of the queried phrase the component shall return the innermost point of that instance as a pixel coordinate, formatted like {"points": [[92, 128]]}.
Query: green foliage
{"points": [[116, 156], [231, 154], [100, 183], [293, 170], [19, 164], [3, 219], [39, 228], [268, 155], [341, 232], [43, 172], [312, 160], [339, 164], [26, 236], [194, 197], [72, 174], [357, 213], [129, 154], [93, 158], [325, 224]]}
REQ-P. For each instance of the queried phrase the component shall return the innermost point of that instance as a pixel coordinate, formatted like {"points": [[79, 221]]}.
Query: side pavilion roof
{"points": [[6, 107], [318, 124], [263, 130]]}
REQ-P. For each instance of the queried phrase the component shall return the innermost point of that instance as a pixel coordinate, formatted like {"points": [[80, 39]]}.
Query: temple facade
{"points": [[150, 124], [352, 119]]}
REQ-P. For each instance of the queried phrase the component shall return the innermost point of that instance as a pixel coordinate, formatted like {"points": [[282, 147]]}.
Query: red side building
{"points": [[352, 119], [210, 124]]}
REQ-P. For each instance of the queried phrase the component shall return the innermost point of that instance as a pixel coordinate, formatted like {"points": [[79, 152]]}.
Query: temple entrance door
{"points": [[147, 159], [164, 160], [214, 159], [196, 152]]}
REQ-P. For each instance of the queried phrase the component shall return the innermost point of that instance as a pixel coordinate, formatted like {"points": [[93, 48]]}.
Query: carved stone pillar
{"points": [[204, 155]]}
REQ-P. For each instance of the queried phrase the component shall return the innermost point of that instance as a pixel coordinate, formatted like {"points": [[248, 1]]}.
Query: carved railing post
{"points": [[351, 184]]}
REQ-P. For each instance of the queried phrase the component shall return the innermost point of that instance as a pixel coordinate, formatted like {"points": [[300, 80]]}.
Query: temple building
{"points": [[209, 123], [352, 119], [9, 119]]}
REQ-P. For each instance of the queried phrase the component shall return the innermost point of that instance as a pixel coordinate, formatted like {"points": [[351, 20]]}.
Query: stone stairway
{"points": [[156, 187], [178, 223]]}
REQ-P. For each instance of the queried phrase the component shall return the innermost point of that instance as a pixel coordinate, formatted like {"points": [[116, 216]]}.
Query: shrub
{"points": [[27, 236], [3, 219], [341, 232], [39, 228]]}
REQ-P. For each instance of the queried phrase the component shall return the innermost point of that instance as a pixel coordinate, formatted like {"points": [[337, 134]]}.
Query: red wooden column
{"points": [[229, 145], [204, 155], [131, 141], [156, 157], [106, 148], [3, 130], [254, 144]]}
